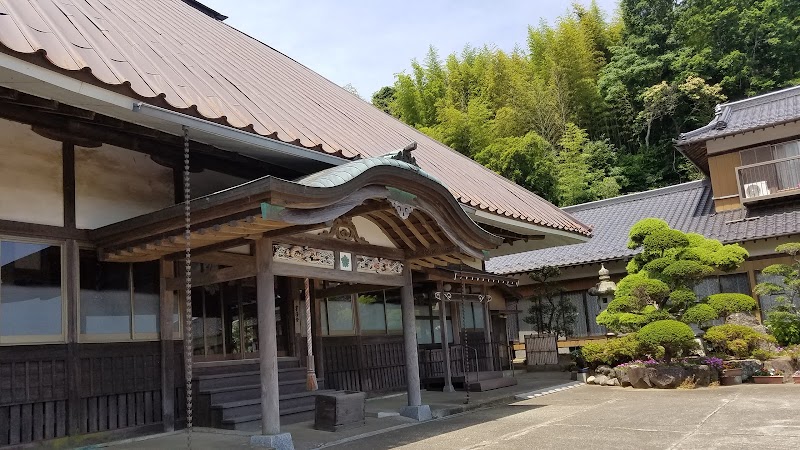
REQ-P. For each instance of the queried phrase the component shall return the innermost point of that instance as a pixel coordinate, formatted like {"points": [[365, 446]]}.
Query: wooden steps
{"points": [[229, 394]]}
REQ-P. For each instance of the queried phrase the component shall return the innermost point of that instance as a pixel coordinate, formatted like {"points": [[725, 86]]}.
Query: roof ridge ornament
{"points": [[404, 154], [344, 229]]}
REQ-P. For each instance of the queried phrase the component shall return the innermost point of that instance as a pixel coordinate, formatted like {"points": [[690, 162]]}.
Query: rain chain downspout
{"points": [[187, 335], [465, 351]]}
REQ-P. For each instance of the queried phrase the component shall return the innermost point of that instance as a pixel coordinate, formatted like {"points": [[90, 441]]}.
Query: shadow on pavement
{"points": [[435, 428]]}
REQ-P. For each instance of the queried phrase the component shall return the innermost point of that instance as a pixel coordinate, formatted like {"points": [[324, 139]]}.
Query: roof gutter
{"points": [[234, 134]]}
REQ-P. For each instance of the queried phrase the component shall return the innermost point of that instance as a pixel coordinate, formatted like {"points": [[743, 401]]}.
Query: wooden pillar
{"points": [[166, 309], [448, 381], [487, 324], [410, 340], [73, 356], [267, 339]]}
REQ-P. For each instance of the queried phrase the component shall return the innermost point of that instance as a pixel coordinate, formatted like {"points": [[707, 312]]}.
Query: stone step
{"points": [[251, 406], [205, 382], [242, 365], [494, 383], [249, 391], [252, 422]]}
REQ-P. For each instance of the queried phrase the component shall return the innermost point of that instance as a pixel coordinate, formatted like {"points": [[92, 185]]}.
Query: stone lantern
{"points": [[604, 290]]}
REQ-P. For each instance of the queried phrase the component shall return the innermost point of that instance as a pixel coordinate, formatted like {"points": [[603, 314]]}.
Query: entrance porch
{"points": [[253, 244]]}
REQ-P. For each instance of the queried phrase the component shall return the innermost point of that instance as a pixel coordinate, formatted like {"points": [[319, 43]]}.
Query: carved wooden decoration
{"points": [[382, 266], [403, 210], [297, 254], [344, 229]]}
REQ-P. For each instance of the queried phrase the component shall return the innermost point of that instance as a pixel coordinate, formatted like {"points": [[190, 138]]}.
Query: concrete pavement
{"points": [[737, 417]]}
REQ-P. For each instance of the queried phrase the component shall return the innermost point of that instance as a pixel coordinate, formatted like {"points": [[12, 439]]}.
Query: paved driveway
{"points": [[594, 417]]}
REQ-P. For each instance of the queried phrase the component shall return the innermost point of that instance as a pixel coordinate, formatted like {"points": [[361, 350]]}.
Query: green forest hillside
{"points": [[588, 108]]}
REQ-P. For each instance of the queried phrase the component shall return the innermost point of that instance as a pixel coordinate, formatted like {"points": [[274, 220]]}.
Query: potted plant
{"points": [[730, 370], [796, 377], [767, 376]]}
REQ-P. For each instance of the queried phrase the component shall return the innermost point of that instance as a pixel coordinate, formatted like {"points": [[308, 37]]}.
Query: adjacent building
{"points": [[749, 155]]}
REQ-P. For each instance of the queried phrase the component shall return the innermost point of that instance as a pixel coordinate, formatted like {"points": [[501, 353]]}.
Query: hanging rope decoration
{"points": [[311, 376], [187, 337]]}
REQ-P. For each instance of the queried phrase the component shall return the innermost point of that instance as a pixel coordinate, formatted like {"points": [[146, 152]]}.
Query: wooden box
{"points": [[339, 410]]}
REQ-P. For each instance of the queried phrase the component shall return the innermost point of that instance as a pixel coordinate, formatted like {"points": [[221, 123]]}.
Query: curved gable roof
{"points": [[168, 54]]}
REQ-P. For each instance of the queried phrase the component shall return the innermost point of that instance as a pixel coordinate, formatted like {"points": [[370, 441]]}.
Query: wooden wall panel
{"points": [[723, 178], [120, 387], [364, 363]]}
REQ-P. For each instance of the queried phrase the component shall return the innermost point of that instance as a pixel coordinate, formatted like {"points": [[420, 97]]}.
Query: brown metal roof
{"points": [[169, 54]]}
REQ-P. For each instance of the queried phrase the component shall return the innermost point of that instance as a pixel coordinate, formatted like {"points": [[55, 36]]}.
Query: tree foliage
{"points": [[661, 277], [550, 311], [784, 320], [606, 96]]}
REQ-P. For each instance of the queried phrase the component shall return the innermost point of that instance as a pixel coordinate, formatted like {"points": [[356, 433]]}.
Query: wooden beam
{"points": [[329, 243], [68, 184], [433, 251], [342, 276], [41, 231], [347, 289], [393, 225], [213, 277], [224, 258]]}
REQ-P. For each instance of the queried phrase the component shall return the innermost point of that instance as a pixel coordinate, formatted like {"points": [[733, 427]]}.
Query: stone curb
{"points": [[548, 391]]}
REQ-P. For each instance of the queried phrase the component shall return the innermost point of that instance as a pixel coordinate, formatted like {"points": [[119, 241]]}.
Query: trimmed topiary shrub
{"points": [[644, 228], [729, 303], [736, 340], [612, 351], [700, 314], [662, 276], [675, 337]]}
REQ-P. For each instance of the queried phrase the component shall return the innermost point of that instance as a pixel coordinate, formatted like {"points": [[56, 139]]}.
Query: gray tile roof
{"points": [[688, 207], [749, 114]]}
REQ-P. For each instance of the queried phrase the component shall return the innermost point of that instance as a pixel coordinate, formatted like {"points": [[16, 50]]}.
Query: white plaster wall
{"points": [[371, 232], [113, 184], [30, 176]]}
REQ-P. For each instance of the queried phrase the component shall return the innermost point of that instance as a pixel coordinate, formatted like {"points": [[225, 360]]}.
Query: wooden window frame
{"points": [[49, 338]]}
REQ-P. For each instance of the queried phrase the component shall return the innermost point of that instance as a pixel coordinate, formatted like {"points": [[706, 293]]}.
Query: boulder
{"points": [[666, 377], [590, 380], [616, 382], [701, 374], [783, 365], [637, 377], [612, 381], [625, 379], [748, 366], [747, 320], [600, 380], [603, 370]]}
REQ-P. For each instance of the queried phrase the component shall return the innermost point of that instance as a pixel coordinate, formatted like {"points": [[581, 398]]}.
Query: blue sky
{"points": [[365, 43]]}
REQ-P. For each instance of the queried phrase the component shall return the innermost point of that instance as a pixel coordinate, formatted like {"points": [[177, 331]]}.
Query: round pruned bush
{"points": [[729, 303], [675, 337], [644, 228], [641, 286], [611, 351], [736, 340], [700, 314], [681, 298]]}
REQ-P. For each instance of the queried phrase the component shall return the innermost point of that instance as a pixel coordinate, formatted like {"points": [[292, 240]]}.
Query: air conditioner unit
{"points": [[757, 189]]}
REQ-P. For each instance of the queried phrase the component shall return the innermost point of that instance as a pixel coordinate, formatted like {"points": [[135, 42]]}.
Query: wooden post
{"points": [[448, 381], [166, 309], [415, 409], [316, 333], [487, 324], [267, 340], [73, 356]]}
